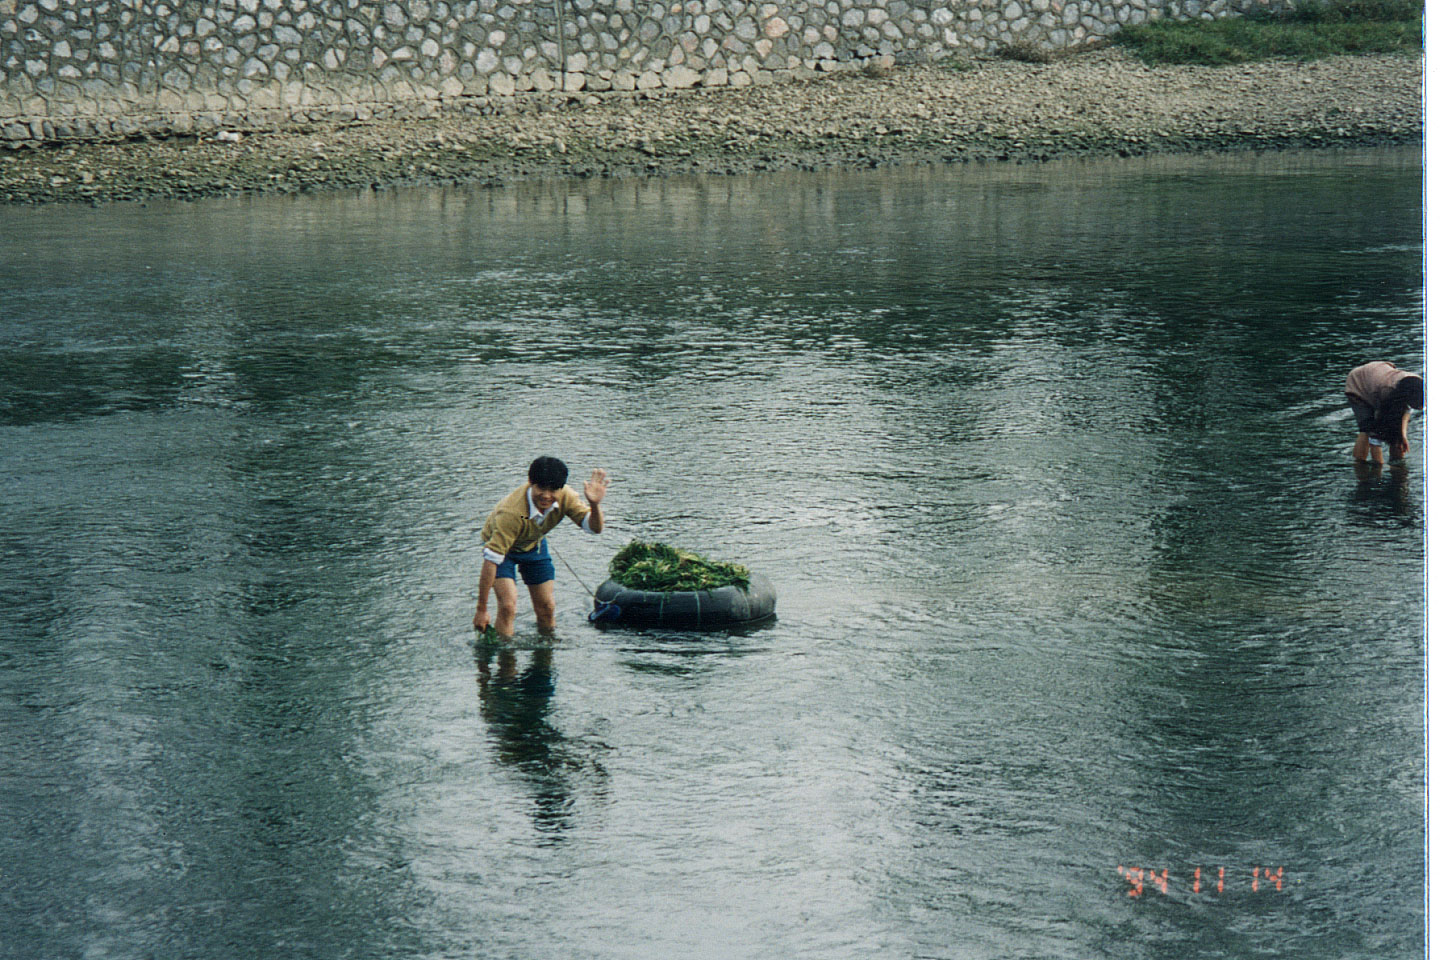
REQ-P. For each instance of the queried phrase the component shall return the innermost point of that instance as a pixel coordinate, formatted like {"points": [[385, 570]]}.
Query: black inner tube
{"points": [[690, 609]]}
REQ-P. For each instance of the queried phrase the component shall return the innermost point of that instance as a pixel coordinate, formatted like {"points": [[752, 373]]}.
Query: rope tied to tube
{"points": [[604, 609]]}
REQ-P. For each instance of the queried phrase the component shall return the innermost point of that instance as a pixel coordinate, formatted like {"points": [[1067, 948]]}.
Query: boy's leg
{"points": [[506, 600], [542, 595], [1364, 420]]}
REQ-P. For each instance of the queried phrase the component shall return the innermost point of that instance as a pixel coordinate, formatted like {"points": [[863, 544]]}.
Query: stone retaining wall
{"points": [[118, 68]]}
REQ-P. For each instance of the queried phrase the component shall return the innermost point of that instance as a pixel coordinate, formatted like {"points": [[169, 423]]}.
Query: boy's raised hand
{"points": [[596, 486]]}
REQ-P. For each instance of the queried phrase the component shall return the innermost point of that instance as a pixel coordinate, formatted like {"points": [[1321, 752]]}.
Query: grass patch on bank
{"points": [[659, 566], [1025, 51], [1311, 30]]}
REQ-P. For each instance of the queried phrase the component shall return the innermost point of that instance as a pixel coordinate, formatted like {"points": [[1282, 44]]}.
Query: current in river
{"points": [[1091, 641]]}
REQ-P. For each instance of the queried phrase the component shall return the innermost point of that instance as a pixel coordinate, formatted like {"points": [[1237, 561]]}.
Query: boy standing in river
{"points": [[514, 536], [1382, 396]]}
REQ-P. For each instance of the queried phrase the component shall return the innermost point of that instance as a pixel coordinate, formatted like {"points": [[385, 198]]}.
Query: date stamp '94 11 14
{"points": [[1259, 879]]}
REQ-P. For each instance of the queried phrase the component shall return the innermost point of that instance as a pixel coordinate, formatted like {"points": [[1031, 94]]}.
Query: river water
{"points": [[1081, 600]]}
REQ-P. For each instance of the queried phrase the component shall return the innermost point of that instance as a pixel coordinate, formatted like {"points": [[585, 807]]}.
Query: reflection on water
{"points": [[1382, 495], [1049, 465], [514, 704]]}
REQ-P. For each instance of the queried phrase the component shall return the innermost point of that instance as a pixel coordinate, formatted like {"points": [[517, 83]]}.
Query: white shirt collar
{"points": [[534, 513]]}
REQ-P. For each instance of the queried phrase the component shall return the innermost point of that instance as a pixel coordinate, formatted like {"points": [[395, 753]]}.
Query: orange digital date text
{"points": [[1260, 877]]}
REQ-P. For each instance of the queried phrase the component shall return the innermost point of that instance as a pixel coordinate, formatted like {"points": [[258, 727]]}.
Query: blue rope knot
{"points": [[605, 611]]}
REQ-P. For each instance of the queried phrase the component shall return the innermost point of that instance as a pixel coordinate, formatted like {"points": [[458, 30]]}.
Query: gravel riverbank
{"points": [[1103, 102]]}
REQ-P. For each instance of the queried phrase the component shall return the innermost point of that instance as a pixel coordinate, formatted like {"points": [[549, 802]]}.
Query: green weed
{"points": [[1310, 31], [1025, 51], [659, 566]]}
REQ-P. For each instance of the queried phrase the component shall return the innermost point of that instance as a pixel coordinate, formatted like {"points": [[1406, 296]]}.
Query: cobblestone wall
{"points": [[106, 68]]}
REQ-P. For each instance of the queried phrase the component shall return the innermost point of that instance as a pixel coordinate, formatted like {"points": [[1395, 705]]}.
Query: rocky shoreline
{"points": [[1099, 103]]}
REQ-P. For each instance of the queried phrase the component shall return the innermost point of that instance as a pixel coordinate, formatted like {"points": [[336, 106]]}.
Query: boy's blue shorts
{"points": [[535, 566], [1364, 414]]}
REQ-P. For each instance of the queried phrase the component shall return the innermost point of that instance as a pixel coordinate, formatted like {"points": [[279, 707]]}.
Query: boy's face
{"points": [[544, 497]]}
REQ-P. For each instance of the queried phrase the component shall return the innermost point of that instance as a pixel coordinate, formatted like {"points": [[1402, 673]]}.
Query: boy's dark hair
{"points": [[1412, 391], [547, 473], [1409, 392]]}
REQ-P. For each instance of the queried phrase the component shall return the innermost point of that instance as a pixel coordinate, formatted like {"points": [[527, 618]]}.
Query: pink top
{"points": [[1374, 382]]}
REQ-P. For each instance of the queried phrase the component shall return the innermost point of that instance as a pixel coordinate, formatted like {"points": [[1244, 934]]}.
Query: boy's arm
{"points": [[487, 583], [502, 537]]}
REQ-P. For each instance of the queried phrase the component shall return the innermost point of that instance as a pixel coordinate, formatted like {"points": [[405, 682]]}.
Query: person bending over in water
{"points": [[1382, 397], [514, 536]]}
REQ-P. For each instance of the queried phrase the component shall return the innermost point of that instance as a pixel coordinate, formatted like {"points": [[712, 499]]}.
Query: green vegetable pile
{"points": [[659, 566]]}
